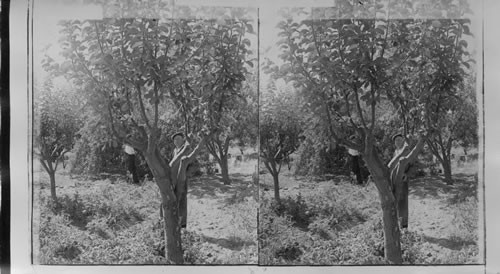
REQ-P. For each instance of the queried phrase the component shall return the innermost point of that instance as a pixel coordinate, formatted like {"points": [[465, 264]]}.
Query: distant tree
{"points": [[246, 131], [238, 123], [56, 122], [280, 129], [455, 122]]}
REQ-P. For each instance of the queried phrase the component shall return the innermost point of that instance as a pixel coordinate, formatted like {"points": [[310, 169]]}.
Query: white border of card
{"points": [[21, 191]]}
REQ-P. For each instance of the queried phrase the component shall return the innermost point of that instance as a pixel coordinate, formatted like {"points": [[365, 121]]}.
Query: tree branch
{"points": [[141, 106], [358, 105]]}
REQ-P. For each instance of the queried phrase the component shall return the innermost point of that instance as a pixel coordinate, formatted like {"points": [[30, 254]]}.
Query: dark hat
{"points": [[177, 134], [397, 135]]}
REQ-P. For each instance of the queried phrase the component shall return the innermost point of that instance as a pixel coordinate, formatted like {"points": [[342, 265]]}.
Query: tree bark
{"points": [[172, 232], [392, 245], [446, 163], [219, 150], [224, 170], [53, 195], [381, 177], [172, 229], [276, 187], [442, 152], [51, 171], [402, 193], [271, 167], [392, 237]]}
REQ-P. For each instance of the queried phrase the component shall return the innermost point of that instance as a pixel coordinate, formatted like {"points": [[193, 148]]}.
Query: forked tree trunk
{"points": [[270, 164], [172, 228], [442, 152], [219, 150], [392, 240], [171, 180]]}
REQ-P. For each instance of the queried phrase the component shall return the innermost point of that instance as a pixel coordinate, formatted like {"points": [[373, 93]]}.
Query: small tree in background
{"points": [[280, 129], [455, 122], [56, 124], [237, 123]]}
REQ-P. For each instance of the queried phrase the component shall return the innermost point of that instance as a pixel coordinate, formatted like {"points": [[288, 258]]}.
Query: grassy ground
{"points": [[113, 222], [335, 222], [319, 222]]}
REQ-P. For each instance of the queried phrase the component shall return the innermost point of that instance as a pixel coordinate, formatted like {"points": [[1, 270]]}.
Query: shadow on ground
{"points": [[464, 185], [233, 243], [211, 186], [454, 244]]}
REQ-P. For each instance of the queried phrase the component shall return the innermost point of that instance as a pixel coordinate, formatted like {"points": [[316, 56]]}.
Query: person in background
{"points": [[357, 164], [355, 158], [131, 167]]}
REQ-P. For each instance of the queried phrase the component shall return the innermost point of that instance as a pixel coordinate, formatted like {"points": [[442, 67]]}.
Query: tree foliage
{"points": [[237, 125], [56, 120], [456, 123], [280, 128]]}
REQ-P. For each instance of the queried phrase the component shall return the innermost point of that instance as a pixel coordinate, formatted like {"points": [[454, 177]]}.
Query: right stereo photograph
{"points": [[370, 125]]}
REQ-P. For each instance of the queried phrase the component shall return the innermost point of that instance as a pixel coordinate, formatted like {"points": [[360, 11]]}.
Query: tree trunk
{"points": [[381, 177], [172, 232], [392, 245], [447, 171], [271, 167], [49, 168], [402, 193], [166, 180], [276, 187], [224, 170], [52, 176]]}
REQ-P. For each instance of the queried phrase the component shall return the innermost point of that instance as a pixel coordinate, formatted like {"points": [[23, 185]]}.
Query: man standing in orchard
{"points": [[399, 166], [130, 151], [356, 161], [182, 146], [182, 157]]}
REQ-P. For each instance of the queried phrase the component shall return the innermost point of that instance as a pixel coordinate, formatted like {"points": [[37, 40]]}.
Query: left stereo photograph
{"points": [[144, 122]]}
